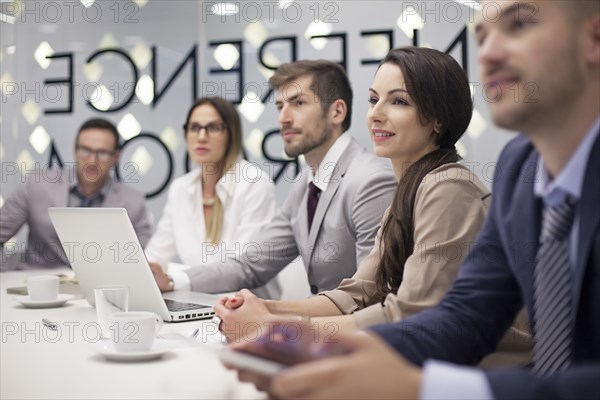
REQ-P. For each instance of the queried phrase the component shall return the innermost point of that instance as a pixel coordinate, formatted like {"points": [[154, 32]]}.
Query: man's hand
{"points": [[372, 370], [355, 365], [162, 279], [288, 343]]}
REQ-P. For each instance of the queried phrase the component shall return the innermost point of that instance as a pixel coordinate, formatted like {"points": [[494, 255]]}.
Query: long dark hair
{"points": [[440, 89]]}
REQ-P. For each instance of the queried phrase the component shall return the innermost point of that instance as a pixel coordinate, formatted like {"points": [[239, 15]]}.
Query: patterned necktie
{"points": [[85, 200], [311, 204], [552, 298]]}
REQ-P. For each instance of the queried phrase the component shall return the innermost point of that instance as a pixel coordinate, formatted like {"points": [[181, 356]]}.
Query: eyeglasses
{"points": [[212, 129], [86, 152]]}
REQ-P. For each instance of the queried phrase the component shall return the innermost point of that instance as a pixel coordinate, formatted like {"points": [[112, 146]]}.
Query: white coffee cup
{"points": [[134, 331], [42, 287]]}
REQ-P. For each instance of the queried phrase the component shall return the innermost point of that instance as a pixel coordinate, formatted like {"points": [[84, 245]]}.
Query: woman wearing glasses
{"points": [[217, 208]]}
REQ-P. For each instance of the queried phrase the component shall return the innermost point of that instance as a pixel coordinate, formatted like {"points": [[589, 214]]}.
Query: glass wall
{"points": [[141, 63]]}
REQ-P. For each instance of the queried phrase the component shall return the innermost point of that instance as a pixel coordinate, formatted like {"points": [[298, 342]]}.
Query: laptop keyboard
{"points": [[174, 306]]}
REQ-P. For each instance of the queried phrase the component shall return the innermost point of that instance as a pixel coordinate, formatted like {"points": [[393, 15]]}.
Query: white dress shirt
{"points": [[322, 176], [248, 199]]}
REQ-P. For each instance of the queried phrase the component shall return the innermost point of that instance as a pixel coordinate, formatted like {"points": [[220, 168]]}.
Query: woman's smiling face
{"points": [[393, 119]]}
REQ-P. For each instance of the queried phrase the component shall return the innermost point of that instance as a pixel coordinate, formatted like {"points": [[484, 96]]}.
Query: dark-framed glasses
{"points": [[212, 129], [86, 152]]}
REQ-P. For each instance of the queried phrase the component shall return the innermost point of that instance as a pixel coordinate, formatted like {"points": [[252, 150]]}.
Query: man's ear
{"points": [[592, 47], [338, 111]]}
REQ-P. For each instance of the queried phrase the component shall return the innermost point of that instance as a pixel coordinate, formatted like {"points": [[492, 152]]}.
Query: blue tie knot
{"points": [[557, 221]]}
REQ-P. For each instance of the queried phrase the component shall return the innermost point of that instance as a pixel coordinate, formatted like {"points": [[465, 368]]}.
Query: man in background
{"points": [[89, 184]]}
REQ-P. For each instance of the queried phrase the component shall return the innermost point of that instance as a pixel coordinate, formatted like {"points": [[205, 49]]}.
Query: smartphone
{"points": [[281, 348], [251, 362]]}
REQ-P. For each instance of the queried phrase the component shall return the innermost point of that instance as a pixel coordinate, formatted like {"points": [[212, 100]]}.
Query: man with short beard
{"points": [[333, 211]]}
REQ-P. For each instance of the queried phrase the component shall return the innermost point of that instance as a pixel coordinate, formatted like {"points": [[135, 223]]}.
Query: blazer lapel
{"points": [[524, 222], [61, 197], [589, 217], [322, 206], [325, 199], [299, 220], [302, 228]]}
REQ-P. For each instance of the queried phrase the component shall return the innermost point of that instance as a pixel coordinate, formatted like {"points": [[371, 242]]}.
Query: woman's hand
{"points": [[234, 302], [244, 316], [163, 280]]}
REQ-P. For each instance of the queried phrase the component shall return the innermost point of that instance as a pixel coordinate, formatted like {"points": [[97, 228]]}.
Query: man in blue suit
{"points": [[539, 248]]}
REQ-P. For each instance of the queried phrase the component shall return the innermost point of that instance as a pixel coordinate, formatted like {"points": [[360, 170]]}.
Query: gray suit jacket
{"points": [[343, 230], [29, 205]]}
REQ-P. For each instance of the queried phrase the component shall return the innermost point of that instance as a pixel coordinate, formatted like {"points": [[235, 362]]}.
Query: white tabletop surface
{"points": [[38, 363]]}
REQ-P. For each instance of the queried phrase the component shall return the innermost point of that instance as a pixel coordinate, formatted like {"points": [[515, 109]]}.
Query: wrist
{"points": [[414, 382], [271, 306], [270, 319], [170, 285], [304, 318]]}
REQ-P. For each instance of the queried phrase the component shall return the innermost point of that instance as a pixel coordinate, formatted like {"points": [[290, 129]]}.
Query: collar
{"points": [[225, 185], [322, 176], [103, 191], [569, 182]]}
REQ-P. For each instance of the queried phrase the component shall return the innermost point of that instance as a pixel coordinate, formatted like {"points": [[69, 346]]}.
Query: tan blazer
{"points": [[450, 207]]}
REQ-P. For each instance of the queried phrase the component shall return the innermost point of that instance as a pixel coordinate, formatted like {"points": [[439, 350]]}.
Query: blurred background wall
{"points": [[141, 63]]}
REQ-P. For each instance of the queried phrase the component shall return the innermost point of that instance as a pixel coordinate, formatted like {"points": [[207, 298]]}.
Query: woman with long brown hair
{"points": [[420, 106]]}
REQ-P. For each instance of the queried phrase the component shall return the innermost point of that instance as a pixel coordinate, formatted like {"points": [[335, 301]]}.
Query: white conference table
{"points": [[37, 363]]}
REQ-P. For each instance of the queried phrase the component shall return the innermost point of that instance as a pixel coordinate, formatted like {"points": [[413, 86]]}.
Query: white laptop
{"points": [[103, 249]]}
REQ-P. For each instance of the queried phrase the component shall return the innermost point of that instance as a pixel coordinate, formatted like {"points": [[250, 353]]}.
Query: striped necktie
{"points": [[87, 201], [552, 298]]}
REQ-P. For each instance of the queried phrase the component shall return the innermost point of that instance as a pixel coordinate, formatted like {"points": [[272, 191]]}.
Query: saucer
{"points": [[60, 300], [106, 348]]}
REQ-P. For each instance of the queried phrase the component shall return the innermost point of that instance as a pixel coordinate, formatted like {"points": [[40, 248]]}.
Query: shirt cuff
{"points": [[342, 300], [181, 280], [450, 381]]}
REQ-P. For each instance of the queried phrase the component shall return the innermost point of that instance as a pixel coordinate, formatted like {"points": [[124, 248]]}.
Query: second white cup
{"points": [[42, 287], [134, 331]]}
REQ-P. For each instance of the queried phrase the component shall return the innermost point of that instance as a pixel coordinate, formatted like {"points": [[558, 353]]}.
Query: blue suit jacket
{"points": [[496, 280]]}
